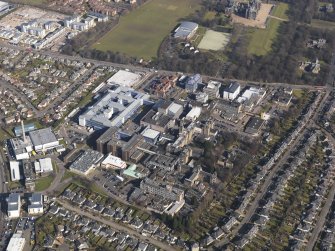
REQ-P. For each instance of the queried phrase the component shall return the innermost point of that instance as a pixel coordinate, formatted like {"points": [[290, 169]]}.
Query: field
{"points": [[141, 32], [280, 10], [43, 183], [214, 40], [262, 39], [316, 23]]}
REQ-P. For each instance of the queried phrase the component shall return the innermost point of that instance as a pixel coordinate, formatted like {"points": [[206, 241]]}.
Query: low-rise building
{"points": [[13, 205], [113, 162], [254, 125], [86, 162], [16, 243], [15, 174]]}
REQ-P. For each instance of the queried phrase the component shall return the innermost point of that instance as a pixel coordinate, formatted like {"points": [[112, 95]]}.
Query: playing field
{"points": [[141, 32], [214, 40], [262, 39]]}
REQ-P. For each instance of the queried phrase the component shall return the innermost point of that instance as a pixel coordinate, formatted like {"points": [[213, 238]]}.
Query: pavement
{"points": [[116, 226]]}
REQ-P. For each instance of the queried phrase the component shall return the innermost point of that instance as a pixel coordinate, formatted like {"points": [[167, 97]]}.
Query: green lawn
{"points": [[43, 183], [281, 10], [316, 23], [262, 39], [141, 32]]}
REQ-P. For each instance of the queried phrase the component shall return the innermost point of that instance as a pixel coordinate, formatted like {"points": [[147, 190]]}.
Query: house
{"points": [[36, 204]]}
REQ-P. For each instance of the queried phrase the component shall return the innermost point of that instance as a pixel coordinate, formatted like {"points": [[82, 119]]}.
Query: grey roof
{"points": [[42, 136], [86, 160], [13, 199], [185, 29], [232, 87], [35, 198]]}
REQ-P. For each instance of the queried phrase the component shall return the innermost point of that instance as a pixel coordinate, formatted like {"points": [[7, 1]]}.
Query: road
{"points": [[79, 211], [264, 187]]}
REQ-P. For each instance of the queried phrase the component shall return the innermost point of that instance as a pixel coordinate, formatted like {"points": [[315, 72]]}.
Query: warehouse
{"points": [[86, 162], [124, 78], [43, 139]]}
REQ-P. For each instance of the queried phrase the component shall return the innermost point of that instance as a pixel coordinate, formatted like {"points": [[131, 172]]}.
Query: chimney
{"points": [[23, 132]]}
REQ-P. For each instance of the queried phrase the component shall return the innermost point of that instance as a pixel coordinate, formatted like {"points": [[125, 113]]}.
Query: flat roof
{"points": [[124, 78], [46, 164], [17, 242], [115, 161], [255, 123], [150, 133], [42, 136], [14, 170], [86, 160]]}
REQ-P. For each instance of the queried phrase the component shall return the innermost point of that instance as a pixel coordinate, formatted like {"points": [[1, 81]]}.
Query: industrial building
{"points": [[124, 78], [43, 139], [114, 108], [27, 128], [86, 162], [21, 147], [43, 166], [231, 91], [35, 206], [15, 174], [186, 30], [16, 242], [113, 162], [13, 205]]}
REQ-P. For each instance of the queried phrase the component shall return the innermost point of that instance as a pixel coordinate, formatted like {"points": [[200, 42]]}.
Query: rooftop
{"points": [[86, 160], [42, 136], [124, 78]]}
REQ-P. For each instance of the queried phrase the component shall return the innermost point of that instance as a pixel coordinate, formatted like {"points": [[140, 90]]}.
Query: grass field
{"points": [[43, 183], [262, 39], [316, 23], [280, 10], [141, 32]]}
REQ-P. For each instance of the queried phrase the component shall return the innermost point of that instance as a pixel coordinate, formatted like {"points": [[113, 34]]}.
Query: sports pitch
{"points": [[141, 32], [214, 40]]}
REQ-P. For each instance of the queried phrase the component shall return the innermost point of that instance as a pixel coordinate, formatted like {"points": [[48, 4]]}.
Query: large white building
{"points": [[16, 243], [21, 147], [114, 108], [124, 78], [43, 139], [15, 174], [13, 205], [194, 113], [232, 91]]}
